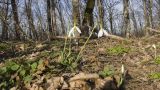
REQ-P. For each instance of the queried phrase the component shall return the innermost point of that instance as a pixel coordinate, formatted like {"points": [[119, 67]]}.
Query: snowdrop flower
{"points": [[122, 69], [74, 30], [154, 46], [102, 32]]}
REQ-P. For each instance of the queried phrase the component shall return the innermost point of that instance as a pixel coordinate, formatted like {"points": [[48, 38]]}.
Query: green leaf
{"points": [[10, 63], [34, 65], [22, 73], [40, 62], [15, 67], [27, 79], [3, 84], [3, 70], [155, 75]]}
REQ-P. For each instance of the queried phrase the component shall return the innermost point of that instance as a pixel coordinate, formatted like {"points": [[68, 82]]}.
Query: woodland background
{"points": [[41, 19]]}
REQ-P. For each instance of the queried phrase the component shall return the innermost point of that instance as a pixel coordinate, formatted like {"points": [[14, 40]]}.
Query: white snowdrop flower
{"points": [[102, 32], [154, 46], [122, 69], [73, 30]]}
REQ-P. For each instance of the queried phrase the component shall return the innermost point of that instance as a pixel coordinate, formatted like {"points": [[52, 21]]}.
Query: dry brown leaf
{"points": [[41, 67], [83, 76], [101, 50], [39, 45], [55, 83], [65, 86], [32, 56], [13, 88], [79, 85], [105, 84], [34, 87]]}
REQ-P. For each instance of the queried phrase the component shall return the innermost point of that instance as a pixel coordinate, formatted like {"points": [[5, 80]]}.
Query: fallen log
{"points": [[110, 36]]}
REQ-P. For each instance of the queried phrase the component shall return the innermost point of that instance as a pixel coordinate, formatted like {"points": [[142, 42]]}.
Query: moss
{"points": [[4, 47], [117, 50], [155, 75], [107, 71], [157, 60]]}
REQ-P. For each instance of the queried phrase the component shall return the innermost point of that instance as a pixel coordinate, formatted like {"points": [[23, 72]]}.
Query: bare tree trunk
{"points": [[100, 13], [50, 16], [126, 17], [18, 29], [4, 18], [49, 9], [146, 19], [88, 18], [76, 12], [28, 7], [110, 18], [159, 12], [54, 23], [88, 15], [61, 19], [150, 2], [134, 20]]}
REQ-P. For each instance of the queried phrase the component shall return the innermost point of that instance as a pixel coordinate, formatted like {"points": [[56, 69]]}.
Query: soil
{"points": [[139, 61]]}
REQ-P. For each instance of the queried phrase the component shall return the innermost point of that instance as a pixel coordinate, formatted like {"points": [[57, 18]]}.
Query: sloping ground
{"points": [[47, 66], [139, 60]]}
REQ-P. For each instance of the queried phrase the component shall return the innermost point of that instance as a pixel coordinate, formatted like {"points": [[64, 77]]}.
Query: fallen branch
{"points": [[65, 37], [153, 30], [116, 37]]}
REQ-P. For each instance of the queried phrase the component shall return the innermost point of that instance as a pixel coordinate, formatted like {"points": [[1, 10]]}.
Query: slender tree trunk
{"points": [[100, 13], [134, 21], [50, 8], [18, 29], [76, 12], [126, 17], [28, 5], [88, 15], [88, 22], [4, 21], [146, 19], [61, 19], [159, 12], [111, 19], [150, 5]]}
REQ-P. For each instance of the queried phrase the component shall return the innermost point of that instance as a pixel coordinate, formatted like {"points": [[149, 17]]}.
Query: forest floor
{"points": [[58, 65]]}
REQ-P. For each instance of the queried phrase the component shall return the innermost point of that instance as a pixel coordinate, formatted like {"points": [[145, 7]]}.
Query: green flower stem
{"points": [[78, 56]]}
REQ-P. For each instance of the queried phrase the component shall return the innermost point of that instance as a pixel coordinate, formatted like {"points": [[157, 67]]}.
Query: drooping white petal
{"points": [[100, 33], [105, 32], [122, 69], [78, 29], [71, 32], [154, 46]]}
